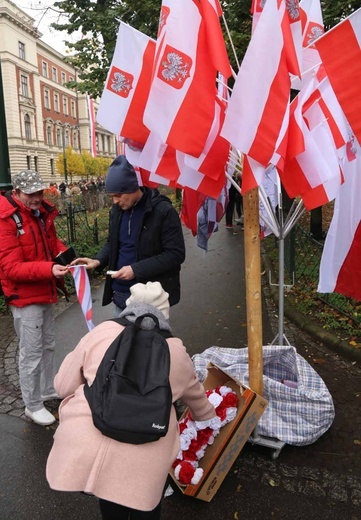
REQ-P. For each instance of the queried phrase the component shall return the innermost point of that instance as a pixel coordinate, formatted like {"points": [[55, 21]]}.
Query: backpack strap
{"points": [[123, 321], [17, 219]]}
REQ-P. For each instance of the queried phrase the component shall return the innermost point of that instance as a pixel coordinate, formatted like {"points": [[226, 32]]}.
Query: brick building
{"points": [[43, 116]]}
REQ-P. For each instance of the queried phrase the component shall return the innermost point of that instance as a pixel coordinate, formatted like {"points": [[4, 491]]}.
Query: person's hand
{"points": [[59, 271], [88, 262], [125, 273]]}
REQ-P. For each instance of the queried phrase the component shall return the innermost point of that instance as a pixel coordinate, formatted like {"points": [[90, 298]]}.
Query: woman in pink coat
{"points": [[128, 479]]}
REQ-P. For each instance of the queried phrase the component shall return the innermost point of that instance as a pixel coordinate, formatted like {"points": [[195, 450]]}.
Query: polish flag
{"points": [[340, 269], [312, 28], [82, 287], [127, 85], [340, 51], [256, 110], [93, 139], [256, 10], [180, 107]]}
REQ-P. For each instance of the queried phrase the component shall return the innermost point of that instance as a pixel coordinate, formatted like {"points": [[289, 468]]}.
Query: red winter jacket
{"points": [[26, 255]]}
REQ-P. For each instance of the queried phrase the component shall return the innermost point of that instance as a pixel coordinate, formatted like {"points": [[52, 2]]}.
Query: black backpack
{"points": [[130, 398]]}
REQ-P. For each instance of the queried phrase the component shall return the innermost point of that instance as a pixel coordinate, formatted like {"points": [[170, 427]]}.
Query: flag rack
{"points": [[280, 228]]}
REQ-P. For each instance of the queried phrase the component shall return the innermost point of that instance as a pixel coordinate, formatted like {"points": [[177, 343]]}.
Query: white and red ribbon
{"points": [[82, 287]]}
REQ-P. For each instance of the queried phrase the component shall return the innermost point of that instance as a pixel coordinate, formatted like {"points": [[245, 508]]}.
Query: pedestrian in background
{"points": [[145, 241], [129, 479], [29, 276]]}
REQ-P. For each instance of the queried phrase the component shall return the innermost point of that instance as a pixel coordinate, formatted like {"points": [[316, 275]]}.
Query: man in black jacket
{"points": [[145, 240]]}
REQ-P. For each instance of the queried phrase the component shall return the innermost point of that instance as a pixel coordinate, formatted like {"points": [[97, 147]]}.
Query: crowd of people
{"points": [[89, 193]]}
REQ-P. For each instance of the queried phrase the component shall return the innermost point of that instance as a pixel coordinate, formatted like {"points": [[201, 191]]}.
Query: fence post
{"points": [[96, 231], [71, 221]]}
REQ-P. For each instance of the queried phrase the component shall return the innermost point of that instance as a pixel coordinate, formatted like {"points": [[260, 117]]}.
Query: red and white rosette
{"points": [[195, 436]]}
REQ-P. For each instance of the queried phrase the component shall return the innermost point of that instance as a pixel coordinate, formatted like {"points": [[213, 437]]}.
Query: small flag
{"points": [[82, 287]]}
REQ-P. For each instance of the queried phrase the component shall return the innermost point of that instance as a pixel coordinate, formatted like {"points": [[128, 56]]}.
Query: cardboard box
{"points": [[220, 456]]}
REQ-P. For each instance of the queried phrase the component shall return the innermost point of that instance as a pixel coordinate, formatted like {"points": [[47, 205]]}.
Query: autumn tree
{"points": [[74, 163]]}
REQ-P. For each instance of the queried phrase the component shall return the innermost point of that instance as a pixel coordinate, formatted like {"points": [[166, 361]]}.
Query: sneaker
{"points": [[229, 226], [42, 417], [49, 397]]}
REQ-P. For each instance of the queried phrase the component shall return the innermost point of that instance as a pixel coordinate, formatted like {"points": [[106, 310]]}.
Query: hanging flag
{"points": [[127, 85], [340, 269], [82, 287], [191, 203], [312, 29], [256, 111], [209, 216], [93, 140], [180, 107], [340, 51]]}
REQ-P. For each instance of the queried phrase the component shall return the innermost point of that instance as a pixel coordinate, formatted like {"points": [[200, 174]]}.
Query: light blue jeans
{"points": [[35, 328]]}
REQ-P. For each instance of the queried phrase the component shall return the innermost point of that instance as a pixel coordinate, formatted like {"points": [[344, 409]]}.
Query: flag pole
{"points": [[252, 251]]}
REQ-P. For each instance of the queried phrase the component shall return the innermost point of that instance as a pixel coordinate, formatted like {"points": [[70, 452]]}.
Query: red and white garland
{"points": [[195, 436]]}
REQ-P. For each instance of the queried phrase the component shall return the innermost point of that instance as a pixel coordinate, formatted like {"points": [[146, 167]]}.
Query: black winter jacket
{"points": [[160, 246]]}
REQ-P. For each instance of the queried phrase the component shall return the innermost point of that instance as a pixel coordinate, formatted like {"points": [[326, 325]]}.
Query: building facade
{"points": [[43, 115]]}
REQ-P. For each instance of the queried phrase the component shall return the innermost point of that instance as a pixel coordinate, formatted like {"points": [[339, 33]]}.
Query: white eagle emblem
{"points": [[120, 83]]}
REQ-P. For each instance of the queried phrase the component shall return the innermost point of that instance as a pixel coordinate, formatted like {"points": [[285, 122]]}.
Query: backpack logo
{"points": [[158, 426]]}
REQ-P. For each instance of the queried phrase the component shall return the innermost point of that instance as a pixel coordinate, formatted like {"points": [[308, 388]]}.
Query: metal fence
{"points": [[72, 225], [302, 263]]}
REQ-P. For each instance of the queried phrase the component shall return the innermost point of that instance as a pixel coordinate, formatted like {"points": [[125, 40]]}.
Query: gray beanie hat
{"points": [[121, 177]]}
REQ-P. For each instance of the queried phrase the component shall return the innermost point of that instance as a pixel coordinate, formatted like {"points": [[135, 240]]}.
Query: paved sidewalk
{"points": [[320, 481]]}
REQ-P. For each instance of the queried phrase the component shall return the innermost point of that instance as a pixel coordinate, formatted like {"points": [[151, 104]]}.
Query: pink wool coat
{"points": [[82, 459]]}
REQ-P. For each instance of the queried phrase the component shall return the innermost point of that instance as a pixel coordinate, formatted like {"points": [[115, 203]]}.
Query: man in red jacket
{"points": [[28, 273]]}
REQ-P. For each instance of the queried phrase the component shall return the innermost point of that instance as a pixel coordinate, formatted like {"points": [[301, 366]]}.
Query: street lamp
{"points": [[64, 157], [5, 178]]}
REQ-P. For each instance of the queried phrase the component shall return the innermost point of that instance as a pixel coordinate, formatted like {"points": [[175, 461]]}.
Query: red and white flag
{"points": [[82, 287], [340, 51], [180, 107], [258, 104], [127, 85], [312, 28], [93, 139], [340, 269]]}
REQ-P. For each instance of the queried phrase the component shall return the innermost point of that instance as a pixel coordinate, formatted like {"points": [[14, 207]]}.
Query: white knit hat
{"points": [[152, 293]]}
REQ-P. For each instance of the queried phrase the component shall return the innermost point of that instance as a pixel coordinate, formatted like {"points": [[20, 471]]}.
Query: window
{"points": [[71, 78], [27, 124], [56, 102], [102, 138], [73, 109], [65, 105], [52, 171], [55, 74], [28, 162], [46, 98], [45, 69], [58, 137], [48, 135], [63, 78], [108, 140], [24, 85], [22, 50], [36, 163], [97, 141]]}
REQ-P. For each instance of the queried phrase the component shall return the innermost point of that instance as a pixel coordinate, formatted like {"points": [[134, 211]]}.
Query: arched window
{"points": [[27, 124], [58, 137], [48, 135]]}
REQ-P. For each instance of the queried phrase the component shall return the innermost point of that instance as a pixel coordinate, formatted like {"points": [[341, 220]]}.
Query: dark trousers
{"points": [[230, 206], [112, 511]]}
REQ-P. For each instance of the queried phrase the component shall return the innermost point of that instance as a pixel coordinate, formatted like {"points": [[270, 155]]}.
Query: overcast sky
{"points": [[44, 15]]}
